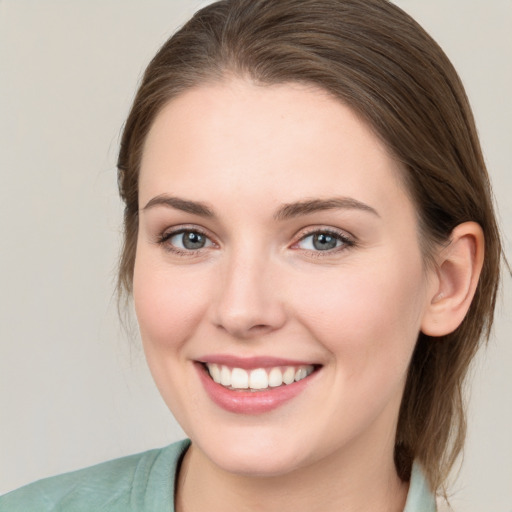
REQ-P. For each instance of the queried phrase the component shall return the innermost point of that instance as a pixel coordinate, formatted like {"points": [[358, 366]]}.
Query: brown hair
{"points": [[373, 57]]}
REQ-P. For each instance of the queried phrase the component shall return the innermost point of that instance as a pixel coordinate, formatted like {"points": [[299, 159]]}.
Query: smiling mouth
{"points": [[257, 379]]}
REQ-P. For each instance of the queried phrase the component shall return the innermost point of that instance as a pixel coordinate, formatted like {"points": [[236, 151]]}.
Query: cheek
{"points": [[168, 304], [366, 318]]}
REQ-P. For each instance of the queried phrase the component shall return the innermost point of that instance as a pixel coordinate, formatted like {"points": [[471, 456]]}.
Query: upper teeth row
{"points": [[259, 378]]}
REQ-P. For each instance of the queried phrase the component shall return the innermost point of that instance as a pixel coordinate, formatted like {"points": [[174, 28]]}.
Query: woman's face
{"points": [[277, 249]]}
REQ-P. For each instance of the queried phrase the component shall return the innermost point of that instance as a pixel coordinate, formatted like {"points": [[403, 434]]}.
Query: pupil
{"points": [[324, 242], [192, 240]]}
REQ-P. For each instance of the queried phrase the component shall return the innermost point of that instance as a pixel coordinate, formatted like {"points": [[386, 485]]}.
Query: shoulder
{"points": [[144, 481]]}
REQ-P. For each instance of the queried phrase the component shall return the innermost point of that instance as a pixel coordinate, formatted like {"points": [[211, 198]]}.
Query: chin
{"points": [[257, 464], [260, 454]]}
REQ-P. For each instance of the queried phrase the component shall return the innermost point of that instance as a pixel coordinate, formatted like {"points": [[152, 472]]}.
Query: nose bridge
{"points": [[248, 301]]}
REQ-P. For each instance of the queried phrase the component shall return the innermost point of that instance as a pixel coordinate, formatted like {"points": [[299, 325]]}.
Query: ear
{"points": [[458, 269]]}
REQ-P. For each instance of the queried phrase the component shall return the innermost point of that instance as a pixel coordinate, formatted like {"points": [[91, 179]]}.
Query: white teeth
{"points": [[239, 378], [215, 373], [289, 375], [259, 378], [300, 374], [275, 378], [225, 376]]}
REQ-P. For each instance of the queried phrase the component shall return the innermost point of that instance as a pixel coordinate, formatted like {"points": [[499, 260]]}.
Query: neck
{"points": [[363, 483]]}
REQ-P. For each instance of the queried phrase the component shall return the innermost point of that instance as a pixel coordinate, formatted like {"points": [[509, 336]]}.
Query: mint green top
{"points": [[139, 483]]}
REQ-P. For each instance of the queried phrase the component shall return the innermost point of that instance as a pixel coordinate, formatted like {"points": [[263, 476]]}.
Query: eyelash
{"points": [[346, 241], [165, 237]]}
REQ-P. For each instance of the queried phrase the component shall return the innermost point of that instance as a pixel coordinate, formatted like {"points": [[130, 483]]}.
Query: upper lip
{"points": [[249, 363]]}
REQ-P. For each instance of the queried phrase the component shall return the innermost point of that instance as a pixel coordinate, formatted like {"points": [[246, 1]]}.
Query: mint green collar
{"points": [[420, 498]]}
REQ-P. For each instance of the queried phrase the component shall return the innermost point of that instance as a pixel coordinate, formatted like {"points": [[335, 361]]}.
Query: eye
{"points": [[186, 240], [324, 241]]}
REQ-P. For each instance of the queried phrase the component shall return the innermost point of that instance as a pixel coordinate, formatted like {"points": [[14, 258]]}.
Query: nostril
{"points": [[239, 330], [260, 327]]}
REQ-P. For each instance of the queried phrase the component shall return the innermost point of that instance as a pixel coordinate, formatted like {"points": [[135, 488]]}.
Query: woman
{"points": [[313, 256]]}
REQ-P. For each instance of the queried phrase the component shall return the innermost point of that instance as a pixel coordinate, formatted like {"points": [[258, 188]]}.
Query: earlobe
{"points": [[458, 271]]}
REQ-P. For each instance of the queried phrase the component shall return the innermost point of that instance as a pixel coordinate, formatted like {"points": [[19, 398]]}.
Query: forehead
{"points": [[289, 138]]}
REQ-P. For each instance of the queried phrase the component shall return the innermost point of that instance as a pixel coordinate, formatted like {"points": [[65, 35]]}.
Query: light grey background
{"points": [[73, 389]]}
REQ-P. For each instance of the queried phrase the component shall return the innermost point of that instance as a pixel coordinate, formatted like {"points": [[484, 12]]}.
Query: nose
{"points": [[249, 304]]}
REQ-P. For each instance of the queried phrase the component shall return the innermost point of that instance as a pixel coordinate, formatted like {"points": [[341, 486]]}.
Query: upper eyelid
{"points": [[164, 241], [303, 233], [170, 234], [164, 236], [342, 233], [175, 230], [346, 238]]}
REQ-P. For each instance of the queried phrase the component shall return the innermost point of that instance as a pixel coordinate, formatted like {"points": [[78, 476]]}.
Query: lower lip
{"points": [[250, 402]]}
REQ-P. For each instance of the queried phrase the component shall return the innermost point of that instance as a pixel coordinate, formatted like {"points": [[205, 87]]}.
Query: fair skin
{"points": [[286, 240]]}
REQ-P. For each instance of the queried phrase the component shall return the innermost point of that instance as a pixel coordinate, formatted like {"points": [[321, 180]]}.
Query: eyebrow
{"points": [[287, 211], [184, 205], [308, 206]]}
